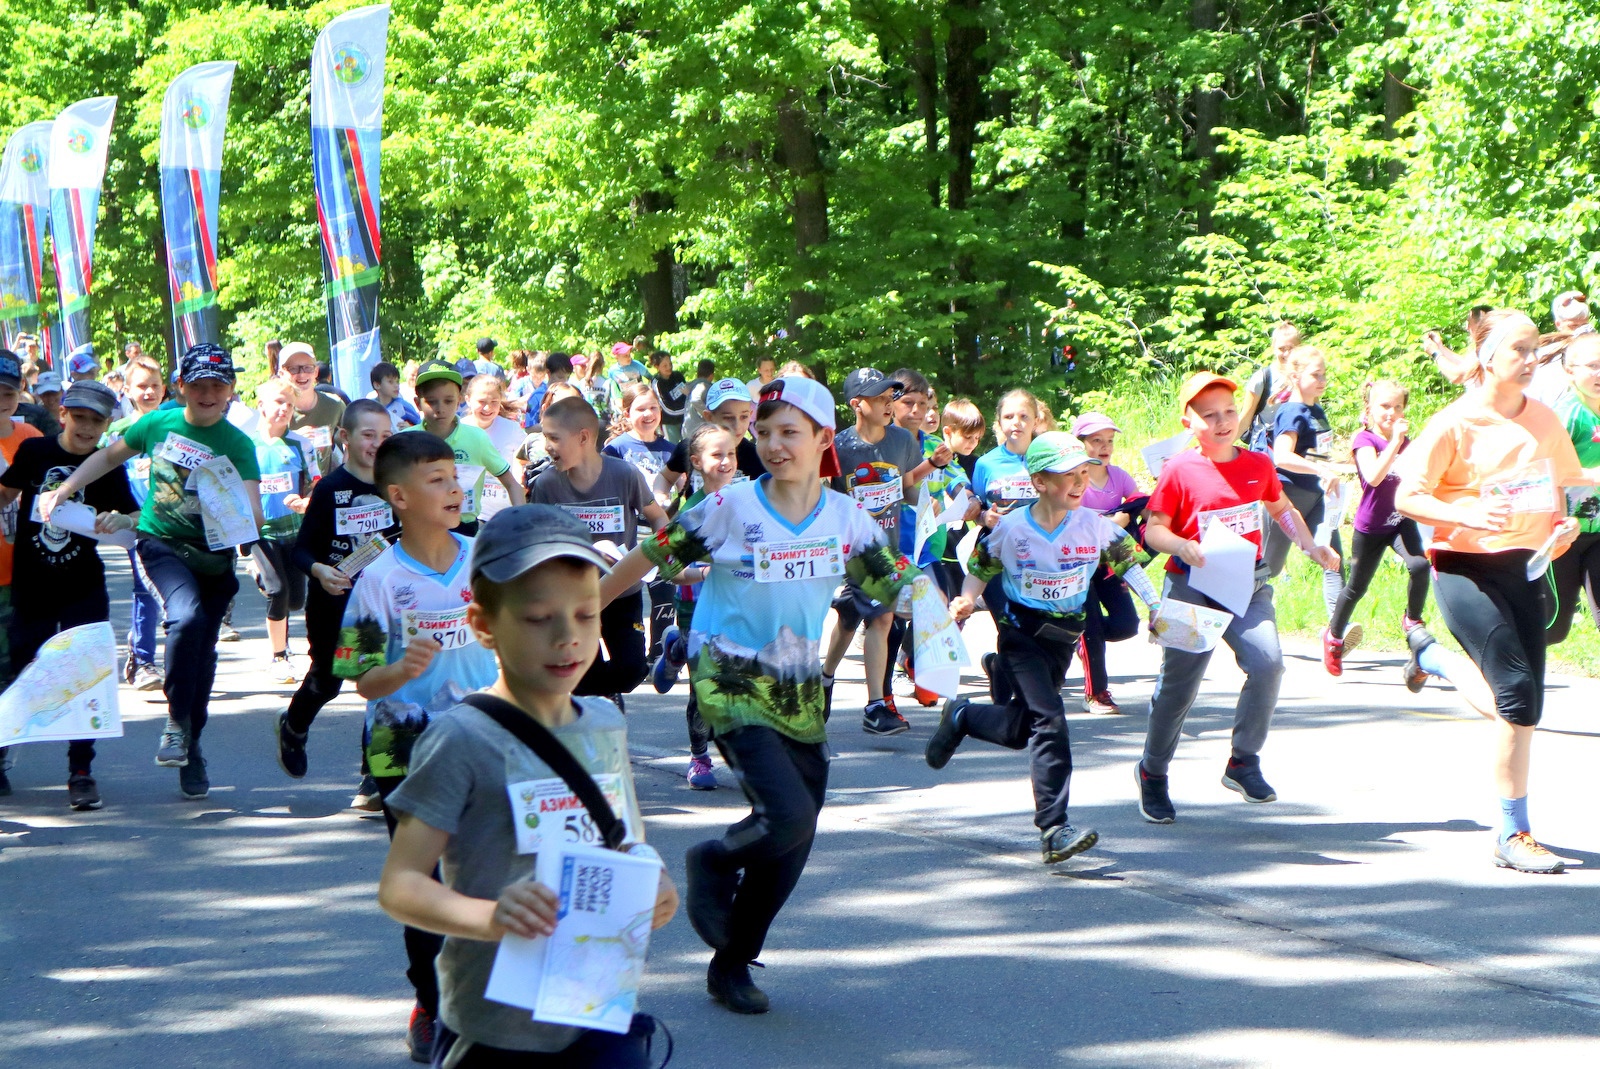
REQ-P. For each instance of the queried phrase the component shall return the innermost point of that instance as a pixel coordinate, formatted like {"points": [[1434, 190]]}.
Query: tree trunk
{"points": [[1207, 117], [655, 285], [810, 209], [926, 68]]}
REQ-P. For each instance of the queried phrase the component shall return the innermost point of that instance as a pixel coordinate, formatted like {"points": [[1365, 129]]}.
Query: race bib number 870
{"points": [[447, 627]]}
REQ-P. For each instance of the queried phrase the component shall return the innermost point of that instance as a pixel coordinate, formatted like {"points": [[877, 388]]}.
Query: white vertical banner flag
{"points": [[78, 142]]}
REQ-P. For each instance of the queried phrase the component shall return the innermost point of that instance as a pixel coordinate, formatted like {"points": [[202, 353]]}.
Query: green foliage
{"points": [[543, 157]]}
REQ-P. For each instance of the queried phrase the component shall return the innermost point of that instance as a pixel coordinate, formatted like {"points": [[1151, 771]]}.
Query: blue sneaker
{"points": [[670, 663], [701, 778]]}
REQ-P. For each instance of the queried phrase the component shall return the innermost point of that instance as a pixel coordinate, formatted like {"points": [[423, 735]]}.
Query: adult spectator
{"points": [[316, 413]]}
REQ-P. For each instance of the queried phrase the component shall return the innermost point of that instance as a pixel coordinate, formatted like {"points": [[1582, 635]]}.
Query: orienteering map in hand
{"points": [[68, 692]]}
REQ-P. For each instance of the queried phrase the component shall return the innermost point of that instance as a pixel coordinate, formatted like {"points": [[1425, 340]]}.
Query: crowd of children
{"points": [[718, 525]]}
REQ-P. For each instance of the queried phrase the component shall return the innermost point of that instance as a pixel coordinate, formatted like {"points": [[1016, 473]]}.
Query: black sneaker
{"points": [[1417, 639], [1244, 775], [948, 735], [708, 898], [1155, 805], [1063, 840], [291, 748], [881, 718], [419, 1036], [731, 985], [5, 784], [192, 781], [82, 792]]}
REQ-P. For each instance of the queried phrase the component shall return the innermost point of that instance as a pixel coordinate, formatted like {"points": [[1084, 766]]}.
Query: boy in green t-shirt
{"points": [[439, 399], [194, 582]]}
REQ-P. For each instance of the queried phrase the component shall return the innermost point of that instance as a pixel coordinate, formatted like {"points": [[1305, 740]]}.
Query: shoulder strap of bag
{"points": [[536, 737]]}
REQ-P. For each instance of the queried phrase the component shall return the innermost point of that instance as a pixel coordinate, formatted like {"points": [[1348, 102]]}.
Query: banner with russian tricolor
{"points": [[194, 117], [77, 165], [346, 128], [24, 211]]}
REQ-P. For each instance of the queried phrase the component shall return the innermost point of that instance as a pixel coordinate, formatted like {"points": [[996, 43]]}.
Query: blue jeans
{"points": [[146, 615], [192, 606]]}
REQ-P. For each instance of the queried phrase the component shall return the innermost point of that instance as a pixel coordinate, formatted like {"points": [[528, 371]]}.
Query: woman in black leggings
{"points": [[1488, 473], [1378, 527]]}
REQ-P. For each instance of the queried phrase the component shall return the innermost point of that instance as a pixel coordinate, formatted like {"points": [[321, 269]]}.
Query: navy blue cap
{"points": [[206, 361], [525, 536]]}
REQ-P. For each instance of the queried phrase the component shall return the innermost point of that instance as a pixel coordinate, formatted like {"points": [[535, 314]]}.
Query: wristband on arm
{"points": [[1290, 527], [1140, 582]]}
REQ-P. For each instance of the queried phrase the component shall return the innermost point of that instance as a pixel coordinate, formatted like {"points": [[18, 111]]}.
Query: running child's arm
{"points": [[508, 479], [1124, 557], [1159, 536], [103, 462], [983, 566], [252, 490], [1373, 465], [1294, 525], [408, 892], [384, 679], [934, 462], [655, 515], [1284, 456], [625, 573], [1451, 365]]}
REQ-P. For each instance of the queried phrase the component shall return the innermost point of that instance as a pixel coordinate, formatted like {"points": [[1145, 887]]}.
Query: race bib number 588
{"points": [[545, 811]]}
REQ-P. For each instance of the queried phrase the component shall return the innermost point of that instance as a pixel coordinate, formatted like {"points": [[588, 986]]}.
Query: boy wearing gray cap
{"points": [[58, 580], [475, 788]]}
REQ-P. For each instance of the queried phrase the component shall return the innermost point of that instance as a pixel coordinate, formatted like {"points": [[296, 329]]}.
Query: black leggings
{"points": [[1366, 553], [324, 617], [1109, 617], [785, 782], [624, 666], [1498, 616], [1033, 716], [1578, 566], [277, 577]]}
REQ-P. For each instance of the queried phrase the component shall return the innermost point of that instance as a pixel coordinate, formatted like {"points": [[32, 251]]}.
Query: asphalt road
{"points": [[1358, 918]]}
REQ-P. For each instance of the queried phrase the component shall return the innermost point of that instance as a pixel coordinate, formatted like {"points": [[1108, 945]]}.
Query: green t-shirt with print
{"points": [[1583, 427], [175, 448], [473, 446]]}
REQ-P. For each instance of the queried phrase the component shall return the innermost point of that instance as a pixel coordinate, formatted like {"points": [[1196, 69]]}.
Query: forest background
{"points": [[968, 187]]}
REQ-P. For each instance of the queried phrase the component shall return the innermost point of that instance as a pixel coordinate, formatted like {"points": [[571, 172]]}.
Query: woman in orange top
{"points": [[1487, 473]]}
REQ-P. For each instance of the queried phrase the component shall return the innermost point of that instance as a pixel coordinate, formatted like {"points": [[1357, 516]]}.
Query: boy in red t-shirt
{"points": [[1216, 482]]}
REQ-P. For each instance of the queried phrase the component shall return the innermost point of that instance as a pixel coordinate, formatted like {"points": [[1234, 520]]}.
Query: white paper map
{"points": [[587, 974], [1179, 625], [68, 692], [936, 647], [224, 506]]}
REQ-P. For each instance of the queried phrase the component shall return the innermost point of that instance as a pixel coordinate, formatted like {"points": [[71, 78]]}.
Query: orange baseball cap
{"points": [[1198, 382]]}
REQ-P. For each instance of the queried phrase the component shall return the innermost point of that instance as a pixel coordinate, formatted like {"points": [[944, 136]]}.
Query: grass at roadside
{"points": [[1146, 414]]}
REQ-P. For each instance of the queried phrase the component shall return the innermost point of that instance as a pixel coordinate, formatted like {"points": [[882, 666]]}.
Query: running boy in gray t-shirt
{"points": [[536, 603]]}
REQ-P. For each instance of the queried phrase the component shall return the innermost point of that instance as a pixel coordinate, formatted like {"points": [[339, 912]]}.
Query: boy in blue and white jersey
{"points": [[406, 642], [1045, 556]]}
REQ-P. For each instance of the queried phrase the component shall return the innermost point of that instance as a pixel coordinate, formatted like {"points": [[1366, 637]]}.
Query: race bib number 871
{"points": [[805, 558]]}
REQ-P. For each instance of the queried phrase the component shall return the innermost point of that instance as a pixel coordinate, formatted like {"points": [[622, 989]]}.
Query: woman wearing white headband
{"points": [[1487, 472]]}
